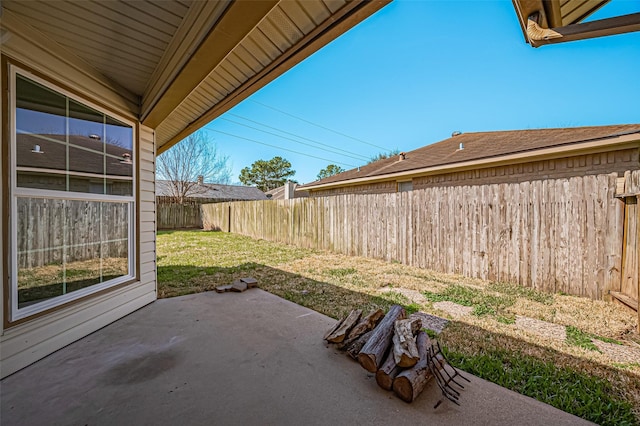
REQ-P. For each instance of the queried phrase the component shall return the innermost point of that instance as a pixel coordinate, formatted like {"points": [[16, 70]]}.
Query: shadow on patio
{"points": [[235, 358]]}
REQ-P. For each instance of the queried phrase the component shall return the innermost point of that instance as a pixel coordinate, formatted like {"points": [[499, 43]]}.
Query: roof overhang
{"points": [[293, 47], [559, 151], [554, 21], [178, 64]]}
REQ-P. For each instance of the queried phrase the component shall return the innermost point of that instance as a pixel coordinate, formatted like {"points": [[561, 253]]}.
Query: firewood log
{"points": [[333, 328], [365, 325], [387, 372], [409, 383], [405, 351], [353, 349], [374, 351], [341, 332]]}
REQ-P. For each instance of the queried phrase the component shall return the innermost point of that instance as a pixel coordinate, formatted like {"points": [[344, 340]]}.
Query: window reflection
{"points": [[67, 245], [95, 155]]}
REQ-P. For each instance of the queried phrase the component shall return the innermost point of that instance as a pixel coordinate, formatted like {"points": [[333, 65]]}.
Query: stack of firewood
{"points": [[393, 346]]}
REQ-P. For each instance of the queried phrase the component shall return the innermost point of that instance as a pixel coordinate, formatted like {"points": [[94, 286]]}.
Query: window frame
{"points": [[15, 313], [402, 185]]}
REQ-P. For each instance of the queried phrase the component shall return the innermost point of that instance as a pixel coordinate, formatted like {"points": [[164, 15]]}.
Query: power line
{"points": [[318, 125], [331, 149], [278, 147], [299, 137]]}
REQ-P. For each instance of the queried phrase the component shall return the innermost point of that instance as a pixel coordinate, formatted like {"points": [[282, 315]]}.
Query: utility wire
{"points": [[278, 147], [351, 154], [320, 126], [333, 150]]}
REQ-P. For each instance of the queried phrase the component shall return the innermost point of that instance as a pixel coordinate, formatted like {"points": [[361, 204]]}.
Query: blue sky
{"points": [[416, 71]]}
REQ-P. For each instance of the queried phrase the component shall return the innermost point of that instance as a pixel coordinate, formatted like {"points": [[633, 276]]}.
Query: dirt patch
{"points": [[432, 322], [453, 309], [541, 328], [619, 353]]}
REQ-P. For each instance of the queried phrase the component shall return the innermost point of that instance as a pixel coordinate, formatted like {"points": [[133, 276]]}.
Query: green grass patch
{"points": [[341, 272], [585, 396], [432, 334], [482, 302], [506, 319], [577, 337], [607, 340], [508, 289]]}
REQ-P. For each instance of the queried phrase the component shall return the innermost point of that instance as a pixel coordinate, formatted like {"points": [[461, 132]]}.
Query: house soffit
{"points": [[288, 33], [124, 41]]}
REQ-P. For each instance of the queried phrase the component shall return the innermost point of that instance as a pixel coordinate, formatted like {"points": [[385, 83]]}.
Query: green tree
{"points": [[384, 155], [330, 170], [267, 175]]}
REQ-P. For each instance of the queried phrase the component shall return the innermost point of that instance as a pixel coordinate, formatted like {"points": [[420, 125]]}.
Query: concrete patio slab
{"points": [[233, 359]]}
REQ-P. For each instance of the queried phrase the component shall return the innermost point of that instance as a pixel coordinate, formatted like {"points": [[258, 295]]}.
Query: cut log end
{"points": [[368, 362], [403, 389], [387, 372], [384, 380]]}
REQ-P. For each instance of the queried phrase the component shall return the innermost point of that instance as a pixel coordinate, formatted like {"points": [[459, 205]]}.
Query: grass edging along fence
{"points": [[554, 235]]}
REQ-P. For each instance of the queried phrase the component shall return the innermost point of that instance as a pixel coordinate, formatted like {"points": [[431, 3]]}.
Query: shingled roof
{"points": [[214, 191], [478, 146]]}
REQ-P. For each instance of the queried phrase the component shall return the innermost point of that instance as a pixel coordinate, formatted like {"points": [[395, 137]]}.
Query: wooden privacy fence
{"points": [[50, 231], [176, 216], [555, 235]]}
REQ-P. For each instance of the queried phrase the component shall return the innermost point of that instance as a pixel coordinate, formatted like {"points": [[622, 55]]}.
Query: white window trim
{"points": [[16, 192]]}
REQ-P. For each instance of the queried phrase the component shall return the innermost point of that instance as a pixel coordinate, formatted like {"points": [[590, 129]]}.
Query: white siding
{"points": [[25, 343]]}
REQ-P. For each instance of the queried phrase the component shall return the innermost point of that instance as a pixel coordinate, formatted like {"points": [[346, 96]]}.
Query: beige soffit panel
{"points": [[196, 25], [21, 42], [124, 40], [290, 32], [574, 11], [239, 18]]}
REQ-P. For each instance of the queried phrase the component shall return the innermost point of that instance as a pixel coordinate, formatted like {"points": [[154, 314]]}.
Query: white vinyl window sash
{"points": [[72, 207]]}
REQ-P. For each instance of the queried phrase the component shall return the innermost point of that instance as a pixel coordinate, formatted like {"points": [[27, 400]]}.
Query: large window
{"points": [[72, 197]]}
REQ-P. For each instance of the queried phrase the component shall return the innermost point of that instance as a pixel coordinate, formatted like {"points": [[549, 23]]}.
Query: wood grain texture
{"points": [[374, 351], [554, 235], [409, 383]]}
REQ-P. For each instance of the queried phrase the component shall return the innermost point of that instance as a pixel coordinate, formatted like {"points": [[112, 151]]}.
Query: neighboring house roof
{"points": [[214, 191], [278, 193], [85, 155], [488, 146]]}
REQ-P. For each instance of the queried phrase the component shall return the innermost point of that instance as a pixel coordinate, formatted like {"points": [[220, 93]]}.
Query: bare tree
{"points": [[190, 163]]}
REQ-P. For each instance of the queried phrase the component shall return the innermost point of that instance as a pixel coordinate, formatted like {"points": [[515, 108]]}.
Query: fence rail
{"points": [[556, 235]]}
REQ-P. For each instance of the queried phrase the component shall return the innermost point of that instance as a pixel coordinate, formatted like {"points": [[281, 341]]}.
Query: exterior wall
{"points": [[581, 165], [25, 342], [371, 188]]}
